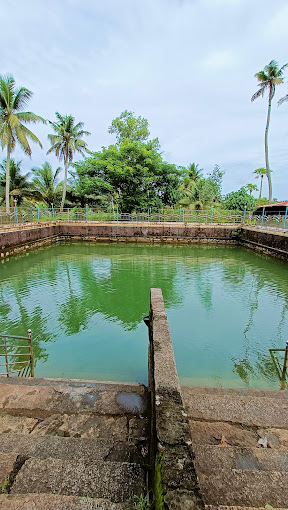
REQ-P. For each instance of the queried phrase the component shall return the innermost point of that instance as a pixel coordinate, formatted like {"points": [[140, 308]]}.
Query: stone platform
{"points": [[67, 444]]}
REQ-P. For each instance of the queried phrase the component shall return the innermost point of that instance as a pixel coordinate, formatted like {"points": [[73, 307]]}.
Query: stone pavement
{"points": [[72, 444], [240, 440]]}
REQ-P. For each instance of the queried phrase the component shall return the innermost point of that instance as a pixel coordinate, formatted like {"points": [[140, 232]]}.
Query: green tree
{"points": [[271, 76], [259, 173], [135, 174], [238, 200], [12, 122], [129, 127], [251, 187], [65, 142], [45, 183], [19, 185]]}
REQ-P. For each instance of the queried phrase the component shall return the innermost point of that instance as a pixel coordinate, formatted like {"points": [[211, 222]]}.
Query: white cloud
{"points": [[218, 60]]}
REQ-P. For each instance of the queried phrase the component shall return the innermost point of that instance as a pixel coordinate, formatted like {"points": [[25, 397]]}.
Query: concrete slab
{"points": [[55, 502], [114, 481]]}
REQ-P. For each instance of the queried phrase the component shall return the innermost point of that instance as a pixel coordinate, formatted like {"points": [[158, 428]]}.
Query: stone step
{"points": [[66, 448], [78, 383], [87, 425], [210, 459], [245, 489], [115, 481], [236, 392], [40, 401], [242, 477], [245, 409], [221, 507], [55, 502]]}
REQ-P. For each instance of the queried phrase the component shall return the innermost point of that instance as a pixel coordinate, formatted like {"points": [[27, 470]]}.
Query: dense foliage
{"points": [[238, 200]]}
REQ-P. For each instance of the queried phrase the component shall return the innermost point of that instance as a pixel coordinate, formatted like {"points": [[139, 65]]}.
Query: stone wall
{"points": [[18, 239], [174, 478], [271, 242], [21, 238]]}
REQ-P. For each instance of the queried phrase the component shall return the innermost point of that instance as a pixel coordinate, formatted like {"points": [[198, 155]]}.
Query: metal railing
{"points": [[280, 363], [23, 216], [209, 216], [16, 360]]}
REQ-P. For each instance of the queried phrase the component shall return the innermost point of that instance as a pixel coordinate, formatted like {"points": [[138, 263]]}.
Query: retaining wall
{"points": [[174, 477], [271, 242], [24, 237]]}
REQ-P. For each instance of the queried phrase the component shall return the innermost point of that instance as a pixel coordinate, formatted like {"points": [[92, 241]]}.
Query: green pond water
{"points": [[85, 303]]}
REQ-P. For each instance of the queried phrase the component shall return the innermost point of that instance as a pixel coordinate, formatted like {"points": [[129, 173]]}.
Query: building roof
{"points": [[278, 204]]}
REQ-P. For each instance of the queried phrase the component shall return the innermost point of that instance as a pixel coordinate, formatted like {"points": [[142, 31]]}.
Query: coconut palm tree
{"points": [[12, 122], [271, 76], [251, 187], [45, 183], [190, 184], [260, 172], [19, 185], [65, 142]]}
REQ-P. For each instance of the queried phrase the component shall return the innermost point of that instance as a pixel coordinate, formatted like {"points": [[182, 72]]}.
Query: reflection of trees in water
{"points": [[120, 292], [256, 363]]}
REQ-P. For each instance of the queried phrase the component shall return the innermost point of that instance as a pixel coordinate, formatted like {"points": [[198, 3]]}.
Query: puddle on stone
{"points": [[90, 398], [130, 401], [247, 462]]}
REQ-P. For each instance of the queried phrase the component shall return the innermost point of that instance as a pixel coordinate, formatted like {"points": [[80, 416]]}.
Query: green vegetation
{"points": [[128, 176], [12, 123]]}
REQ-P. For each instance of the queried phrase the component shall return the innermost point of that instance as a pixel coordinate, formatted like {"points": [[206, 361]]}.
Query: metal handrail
{"points": [[281, 369], [28, 368]]}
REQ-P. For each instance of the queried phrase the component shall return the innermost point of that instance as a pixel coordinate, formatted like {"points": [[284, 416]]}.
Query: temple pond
{"points": [[85, 303]]}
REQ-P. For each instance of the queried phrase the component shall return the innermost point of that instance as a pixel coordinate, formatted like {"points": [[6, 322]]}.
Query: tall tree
{"points": [[128, 127], [45, 183], [12, 122], [65, 142], [271, 76], [19, 185], [259, 173]]}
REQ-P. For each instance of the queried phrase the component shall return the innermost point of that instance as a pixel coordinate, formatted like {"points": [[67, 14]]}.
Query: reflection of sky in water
{"points": [[85, 303]]}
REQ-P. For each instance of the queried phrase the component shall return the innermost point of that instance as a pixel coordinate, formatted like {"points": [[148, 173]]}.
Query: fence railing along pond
{"points": [[17, 357], [22, 216]]}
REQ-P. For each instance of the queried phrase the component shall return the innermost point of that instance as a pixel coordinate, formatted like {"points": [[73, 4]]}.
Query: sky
{"points": [[187, 66]]}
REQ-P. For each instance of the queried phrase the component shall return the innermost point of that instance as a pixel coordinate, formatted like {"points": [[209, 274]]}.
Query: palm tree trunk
{"points": [[261, 184], [7, 188], [65, 183], [266, 149]]}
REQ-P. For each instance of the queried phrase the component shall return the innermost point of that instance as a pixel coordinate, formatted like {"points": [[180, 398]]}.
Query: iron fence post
{"points": [[212, 212], [285, 219], [262, 219], [6, 356], [86, 212], [244, 216], [31, 352], [38, 213], [52, 207], [16, 212]]}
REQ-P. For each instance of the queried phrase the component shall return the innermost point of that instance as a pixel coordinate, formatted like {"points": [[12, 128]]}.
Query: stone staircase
{"points": [[76, 445], [240, 440]]}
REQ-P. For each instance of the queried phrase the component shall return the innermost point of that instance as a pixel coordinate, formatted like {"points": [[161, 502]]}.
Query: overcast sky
{"points": [[186, 65]]}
